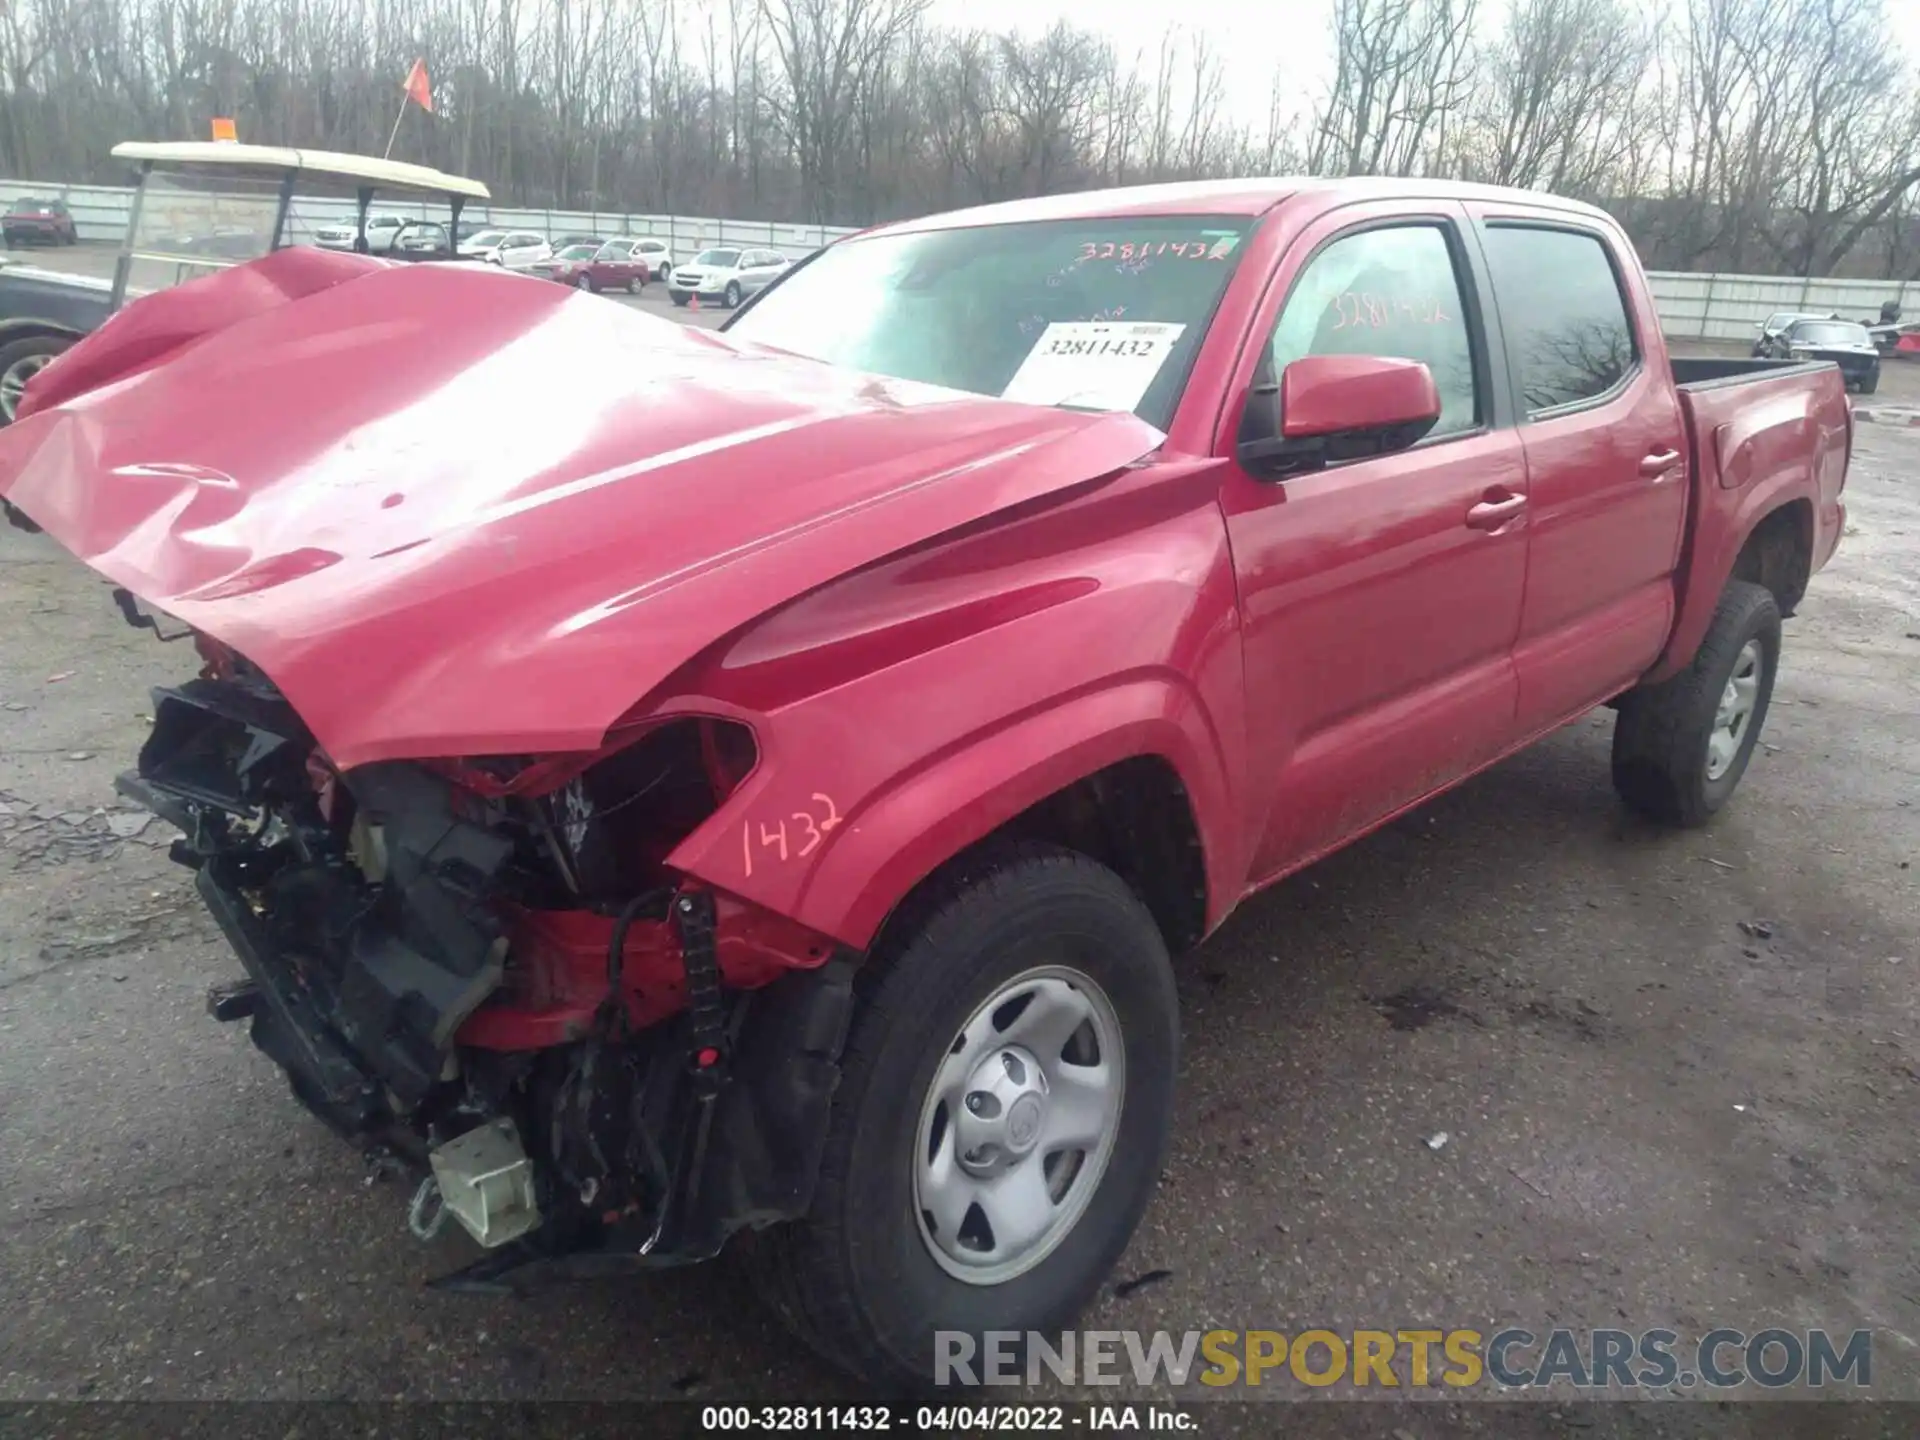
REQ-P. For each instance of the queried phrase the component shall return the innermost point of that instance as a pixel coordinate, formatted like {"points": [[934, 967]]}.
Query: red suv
{"points": [[38, 222]]}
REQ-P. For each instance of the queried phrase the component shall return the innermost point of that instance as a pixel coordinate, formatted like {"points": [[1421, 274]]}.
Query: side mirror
{"points": [[1337, 407]]}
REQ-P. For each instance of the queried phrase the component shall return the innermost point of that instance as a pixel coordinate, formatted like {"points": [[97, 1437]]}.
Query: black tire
{"points": [[635, 284], [1870, 384], [41, 347], [856, 1278], [585, 282], [732, 297], [681, 300], [1660, 759]]}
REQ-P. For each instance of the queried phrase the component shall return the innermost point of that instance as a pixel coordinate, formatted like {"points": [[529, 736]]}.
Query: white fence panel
{"points": [[100, 213], [1692, 307], [1731, 307]]}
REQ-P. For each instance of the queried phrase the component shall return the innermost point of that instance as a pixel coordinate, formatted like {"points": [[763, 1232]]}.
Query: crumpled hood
{"points": [[456, 512]]}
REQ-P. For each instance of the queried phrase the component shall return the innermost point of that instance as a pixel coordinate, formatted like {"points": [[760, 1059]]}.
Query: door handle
{"points": [[1492, 514], [1658, 464]]}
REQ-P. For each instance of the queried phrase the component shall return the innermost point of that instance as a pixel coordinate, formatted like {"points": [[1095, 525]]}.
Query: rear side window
{"points": [[1565, 318]]}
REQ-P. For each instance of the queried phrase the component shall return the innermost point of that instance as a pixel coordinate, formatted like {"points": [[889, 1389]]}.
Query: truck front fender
{"points": [[909, 830], [906, 712]]}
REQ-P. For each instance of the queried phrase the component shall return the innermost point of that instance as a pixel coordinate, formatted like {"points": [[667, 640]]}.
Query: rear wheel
{"points": [[1681, 746], [1870, 384], [635, 284], [1002, 1114], [19, 363]]}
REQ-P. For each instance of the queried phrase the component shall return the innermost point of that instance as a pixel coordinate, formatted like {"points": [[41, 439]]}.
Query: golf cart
{"points": [[203, 206]]}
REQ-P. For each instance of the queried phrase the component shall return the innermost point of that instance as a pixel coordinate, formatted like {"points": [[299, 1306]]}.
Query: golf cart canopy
{"points": [[389, 177], [206, 205]]}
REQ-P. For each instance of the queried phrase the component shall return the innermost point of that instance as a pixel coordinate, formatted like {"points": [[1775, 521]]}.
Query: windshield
{"points": [[1829, 332], [487, 237], [190, 223], [1101, 314], [32, 207], [726, 259]]}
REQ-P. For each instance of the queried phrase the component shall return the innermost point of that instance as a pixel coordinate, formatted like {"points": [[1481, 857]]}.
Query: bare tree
{"points": [[1400, 71], [1731, 134]]}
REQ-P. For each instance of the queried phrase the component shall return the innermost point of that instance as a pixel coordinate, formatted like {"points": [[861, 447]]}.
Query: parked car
{"points": [[658, 255], [564, 263], [1844, 342], [382, 230], [616, 265], [727, 274], [422, 240], [778, 809], [32, 221], [509, 249], [1773, 327], [186, 224]]}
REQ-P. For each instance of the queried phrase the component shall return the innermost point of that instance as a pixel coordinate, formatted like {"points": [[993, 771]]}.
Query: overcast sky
{"points": [[1257, 39]]}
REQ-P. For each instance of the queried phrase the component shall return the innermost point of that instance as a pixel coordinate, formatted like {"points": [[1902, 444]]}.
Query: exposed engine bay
{"points": [[483, 971]]}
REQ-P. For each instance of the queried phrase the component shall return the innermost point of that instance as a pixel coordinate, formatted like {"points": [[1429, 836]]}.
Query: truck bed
{"points": [[1758, 432]]}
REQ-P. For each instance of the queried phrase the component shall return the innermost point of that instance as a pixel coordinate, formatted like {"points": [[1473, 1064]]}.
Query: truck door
{"points": [[1606, 473], [1381, 596]]}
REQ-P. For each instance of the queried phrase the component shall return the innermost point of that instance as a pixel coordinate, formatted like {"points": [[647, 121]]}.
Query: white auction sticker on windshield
{"points": [[1093, 364]]}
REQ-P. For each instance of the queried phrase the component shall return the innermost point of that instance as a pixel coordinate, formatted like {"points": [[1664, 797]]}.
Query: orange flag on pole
{"points": [[418, 90]]}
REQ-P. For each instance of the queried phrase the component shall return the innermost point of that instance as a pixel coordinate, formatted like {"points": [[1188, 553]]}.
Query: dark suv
{"points": [[33, 221]]}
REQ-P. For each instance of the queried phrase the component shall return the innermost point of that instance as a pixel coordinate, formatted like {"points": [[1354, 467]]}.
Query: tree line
{"points": [[1780, 136]]}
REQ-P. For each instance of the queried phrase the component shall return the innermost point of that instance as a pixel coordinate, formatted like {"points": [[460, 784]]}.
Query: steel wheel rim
{"points": [[1734, 716], [1018, 1125], [13, 384]]}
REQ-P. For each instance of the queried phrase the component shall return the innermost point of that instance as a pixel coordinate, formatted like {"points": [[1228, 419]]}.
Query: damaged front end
{"points": [[484, 970]]}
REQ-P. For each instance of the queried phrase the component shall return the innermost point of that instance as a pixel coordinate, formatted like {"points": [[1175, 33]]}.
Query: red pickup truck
{"points": [[666, 784]]}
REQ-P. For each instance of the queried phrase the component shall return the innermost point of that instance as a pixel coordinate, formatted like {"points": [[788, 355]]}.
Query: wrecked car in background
{"points": [[664, 784]]}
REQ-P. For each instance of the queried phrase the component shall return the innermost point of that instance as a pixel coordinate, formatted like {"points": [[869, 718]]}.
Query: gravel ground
{"points": [[1679, 1075]]}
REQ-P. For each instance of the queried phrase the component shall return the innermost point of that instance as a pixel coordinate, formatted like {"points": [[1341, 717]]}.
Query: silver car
{"points": [[726, 273]]}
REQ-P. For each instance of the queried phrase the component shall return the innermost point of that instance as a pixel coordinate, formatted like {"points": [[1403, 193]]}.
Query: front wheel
{"points": [[1681, 746], [19, 363], [1003, 1110], [585, 282], [733, 295]]}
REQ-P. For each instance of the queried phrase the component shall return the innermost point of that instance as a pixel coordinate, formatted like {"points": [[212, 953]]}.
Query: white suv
{"points": [[510, 249]]}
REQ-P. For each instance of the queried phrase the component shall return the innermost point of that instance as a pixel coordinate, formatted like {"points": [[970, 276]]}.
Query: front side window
{"points": [[1389, 292], [1566, 322], [1101, 313]]}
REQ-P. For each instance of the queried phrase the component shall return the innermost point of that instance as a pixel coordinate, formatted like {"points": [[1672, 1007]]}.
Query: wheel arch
{"points": [[34, 327], [1778, 553]]}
